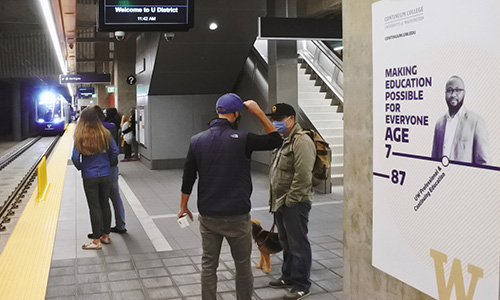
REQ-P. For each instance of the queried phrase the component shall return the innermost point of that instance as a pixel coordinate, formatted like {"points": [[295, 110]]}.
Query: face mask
{"points": [[280, 126]]}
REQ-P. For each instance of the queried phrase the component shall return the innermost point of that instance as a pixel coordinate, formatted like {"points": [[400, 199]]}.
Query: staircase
{"points": [[325, 112]]}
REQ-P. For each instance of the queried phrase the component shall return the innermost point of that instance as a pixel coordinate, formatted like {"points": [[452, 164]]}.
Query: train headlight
{"points": [[47, 98]]}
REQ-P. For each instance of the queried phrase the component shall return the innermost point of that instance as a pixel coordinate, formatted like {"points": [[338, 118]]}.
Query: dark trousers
{"points": [[135, 147], [116, 199], [97, 192], [297, 255], [127, 149]]}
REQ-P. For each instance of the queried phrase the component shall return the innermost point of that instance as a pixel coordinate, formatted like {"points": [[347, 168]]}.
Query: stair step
{"points": [[328, 123], [335, 140], [320, 109], [337, 179], [306, 82], [337, 158], [321, 116], [325, 131], [310, 102], [336, 148], [312, 95], [308, 88], [337, 169]]}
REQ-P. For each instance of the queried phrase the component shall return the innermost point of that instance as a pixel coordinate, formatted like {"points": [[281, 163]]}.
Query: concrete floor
{"points": [[156, 259]]}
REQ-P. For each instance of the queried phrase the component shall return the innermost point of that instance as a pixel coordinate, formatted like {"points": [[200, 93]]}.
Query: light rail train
{"points": [[52, 112]]}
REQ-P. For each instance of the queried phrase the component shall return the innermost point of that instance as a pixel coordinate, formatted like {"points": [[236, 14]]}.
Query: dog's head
{"points": [[256, 228]]}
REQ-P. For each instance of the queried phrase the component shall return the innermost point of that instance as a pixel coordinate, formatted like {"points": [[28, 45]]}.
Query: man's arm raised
{"points": [[255, 109]]}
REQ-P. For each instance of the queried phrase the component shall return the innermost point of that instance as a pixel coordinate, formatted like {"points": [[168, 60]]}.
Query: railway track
{"points": [[18, 172]]}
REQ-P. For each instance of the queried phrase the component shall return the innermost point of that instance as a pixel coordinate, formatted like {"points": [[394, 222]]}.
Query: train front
{"points": [[52, 113]]}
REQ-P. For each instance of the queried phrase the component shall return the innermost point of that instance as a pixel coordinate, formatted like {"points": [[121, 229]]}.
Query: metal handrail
{"points": [[316, 60], [328, 53]]}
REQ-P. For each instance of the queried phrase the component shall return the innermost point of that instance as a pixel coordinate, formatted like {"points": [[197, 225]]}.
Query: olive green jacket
{"points": [[291, 171]]}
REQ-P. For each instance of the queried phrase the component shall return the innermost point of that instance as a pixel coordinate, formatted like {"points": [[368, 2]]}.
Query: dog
{"points": [[267, 243]]}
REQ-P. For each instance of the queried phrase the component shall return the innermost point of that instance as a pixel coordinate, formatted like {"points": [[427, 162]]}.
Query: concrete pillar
{"points": [[16, 110], [124, 65], [361, 279], [282, 59], [102, 66]]}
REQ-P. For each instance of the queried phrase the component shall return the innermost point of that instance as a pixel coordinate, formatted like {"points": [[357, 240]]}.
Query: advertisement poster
{"points": [[436, 156]]}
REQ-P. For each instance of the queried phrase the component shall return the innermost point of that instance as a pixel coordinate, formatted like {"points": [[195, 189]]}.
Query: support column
{"points": [[102, 55], [16, 110], [282, 58], [124, 65]]}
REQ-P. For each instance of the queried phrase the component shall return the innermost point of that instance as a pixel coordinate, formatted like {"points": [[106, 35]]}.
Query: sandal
{"points": [[105, 240], [91, 246]]}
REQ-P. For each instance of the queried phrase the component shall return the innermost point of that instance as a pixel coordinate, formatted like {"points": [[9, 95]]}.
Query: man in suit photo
{"points": [[460, 134]]}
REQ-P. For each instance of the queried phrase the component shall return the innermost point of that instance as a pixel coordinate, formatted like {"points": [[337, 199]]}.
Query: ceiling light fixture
{"points": [[49, 20], [338, 48], [213, 26]]}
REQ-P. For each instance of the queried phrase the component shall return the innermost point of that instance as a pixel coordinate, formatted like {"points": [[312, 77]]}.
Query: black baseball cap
{"points": [[281, 110]]}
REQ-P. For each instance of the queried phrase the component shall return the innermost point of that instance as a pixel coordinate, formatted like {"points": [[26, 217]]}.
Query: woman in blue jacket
{"points": [[94, 152]]}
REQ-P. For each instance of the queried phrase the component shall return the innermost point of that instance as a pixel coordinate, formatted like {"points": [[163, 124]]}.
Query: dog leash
{"points": [[265, 239]]}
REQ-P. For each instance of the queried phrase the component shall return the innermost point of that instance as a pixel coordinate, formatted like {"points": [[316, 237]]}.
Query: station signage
{"points": [[85, 78], [110, 89], [145, 15]]}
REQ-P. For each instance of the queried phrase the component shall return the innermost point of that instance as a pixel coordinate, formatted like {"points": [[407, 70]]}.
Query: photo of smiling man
{"points": [[460, 134]]}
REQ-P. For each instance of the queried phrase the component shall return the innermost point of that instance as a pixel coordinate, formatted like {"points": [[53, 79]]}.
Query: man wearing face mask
{"points": [[291, 197], [460, 134], [220, 156]]}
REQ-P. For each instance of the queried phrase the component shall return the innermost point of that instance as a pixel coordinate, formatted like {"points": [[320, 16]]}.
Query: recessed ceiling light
{"points": [[213, 26]]}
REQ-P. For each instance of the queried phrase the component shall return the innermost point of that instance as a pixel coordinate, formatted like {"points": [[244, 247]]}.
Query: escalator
{"points": [[320, 93]]}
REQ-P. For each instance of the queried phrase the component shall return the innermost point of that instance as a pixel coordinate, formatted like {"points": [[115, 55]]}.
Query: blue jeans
{"points": [[238, 232], [97, 193], [297, 255], [116, 199]]}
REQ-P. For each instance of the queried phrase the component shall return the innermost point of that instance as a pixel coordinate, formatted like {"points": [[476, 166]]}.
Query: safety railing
{"points": [[325, 64]]}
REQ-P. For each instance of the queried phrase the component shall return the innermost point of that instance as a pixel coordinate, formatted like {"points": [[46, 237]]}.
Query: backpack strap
{"points": [[299, 134]]}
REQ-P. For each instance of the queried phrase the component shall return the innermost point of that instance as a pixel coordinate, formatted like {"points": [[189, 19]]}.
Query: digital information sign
{"points": [[85, 78], [436, 145], [145, 15]]}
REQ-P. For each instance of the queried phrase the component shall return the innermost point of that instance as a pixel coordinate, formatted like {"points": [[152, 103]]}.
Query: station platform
{"points": [[155, 259]]}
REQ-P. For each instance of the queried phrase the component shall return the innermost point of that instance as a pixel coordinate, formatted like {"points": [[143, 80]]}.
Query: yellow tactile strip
{"points": [[25, 260]]}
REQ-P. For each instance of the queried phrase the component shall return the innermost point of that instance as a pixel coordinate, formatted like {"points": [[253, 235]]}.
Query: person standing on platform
{"points": [[112, 116], [291, 195], [127, 138], [220, 157], [135, 145], [114, 195], [94, 152]]}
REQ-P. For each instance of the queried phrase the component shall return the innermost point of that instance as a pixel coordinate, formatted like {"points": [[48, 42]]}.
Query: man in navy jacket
{"points": [[220, 156]]}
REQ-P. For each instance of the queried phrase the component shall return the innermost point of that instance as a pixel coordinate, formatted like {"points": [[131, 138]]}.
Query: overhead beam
{"points": [[299, 29], [95, 40], [93, 60]]}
